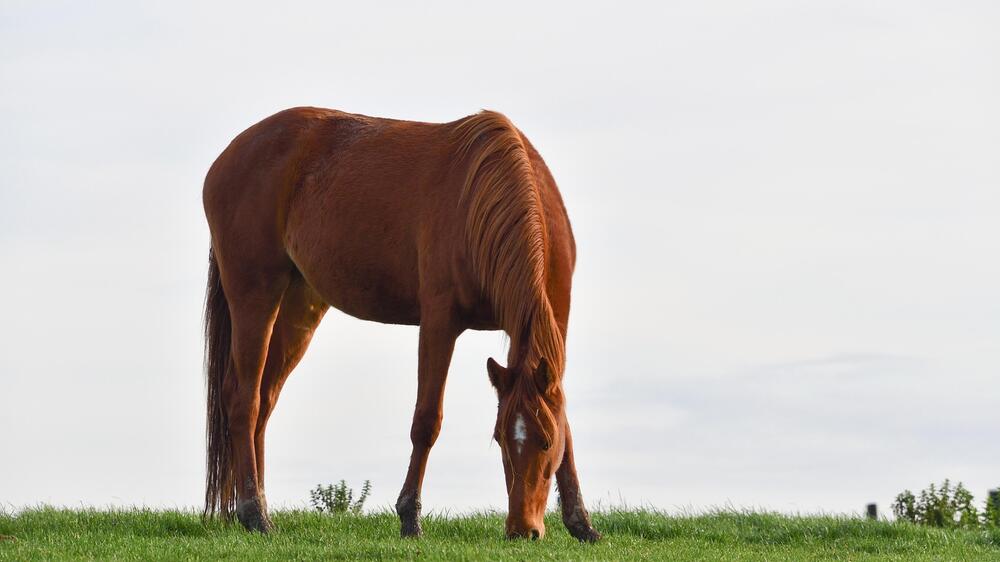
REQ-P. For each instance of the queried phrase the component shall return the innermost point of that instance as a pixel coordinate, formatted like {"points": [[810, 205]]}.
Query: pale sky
{"points": [[787, 293]]}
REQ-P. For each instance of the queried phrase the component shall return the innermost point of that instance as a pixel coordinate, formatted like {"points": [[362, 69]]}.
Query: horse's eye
{"points": [[545, 446]]}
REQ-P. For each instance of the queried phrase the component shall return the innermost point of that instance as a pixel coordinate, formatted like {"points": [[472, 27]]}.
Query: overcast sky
{"points": [[787, 293]]}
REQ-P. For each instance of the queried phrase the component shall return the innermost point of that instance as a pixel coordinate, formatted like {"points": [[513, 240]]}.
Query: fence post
{"points": [[872, 511]]}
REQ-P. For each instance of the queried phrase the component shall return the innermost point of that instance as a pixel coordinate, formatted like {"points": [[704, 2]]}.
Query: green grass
{"points": [[48, 534]]}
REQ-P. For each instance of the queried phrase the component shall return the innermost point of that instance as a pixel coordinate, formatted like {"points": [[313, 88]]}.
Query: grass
{"points": [[58, 534]]}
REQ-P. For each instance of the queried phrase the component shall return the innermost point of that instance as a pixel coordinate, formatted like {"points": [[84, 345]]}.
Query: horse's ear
{"points": [[499, 376], [543, 375]]}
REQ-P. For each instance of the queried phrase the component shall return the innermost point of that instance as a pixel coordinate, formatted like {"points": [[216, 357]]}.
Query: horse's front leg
{"points": [[574, 513], [438, 331]]}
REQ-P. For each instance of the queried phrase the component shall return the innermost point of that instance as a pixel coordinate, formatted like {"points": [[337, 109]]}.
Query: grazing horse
{"points": [[448, 226]]}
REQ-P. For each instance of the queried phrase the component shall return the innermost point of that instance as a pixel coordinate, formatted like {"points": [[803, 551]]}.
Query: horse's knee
{"points": [[240, 410], [426, 427]]}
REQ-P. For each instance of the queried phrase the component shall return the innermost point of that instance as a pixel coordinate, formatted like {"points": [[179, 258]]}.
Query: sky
{"points": [[787, 293]]}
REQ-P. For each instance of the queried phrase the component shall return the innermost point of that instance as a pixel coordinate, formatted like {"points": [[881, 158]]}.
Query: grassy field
{"points": [[51, 534]]}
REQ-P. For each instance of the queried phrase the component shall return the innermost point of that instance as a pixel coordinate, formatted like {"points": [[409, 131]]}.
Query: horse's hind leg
{"points": [[300, 313], [254, 298]]}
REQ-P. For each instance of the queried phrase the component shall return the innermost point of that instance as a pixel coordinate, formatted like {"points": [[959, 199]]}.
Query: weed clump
{"points": [[339, 498]]}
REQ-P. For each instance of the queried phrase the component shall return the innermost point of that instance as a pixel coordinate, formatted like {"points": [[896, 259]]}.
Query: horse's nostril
{"points": [[534, 534]]}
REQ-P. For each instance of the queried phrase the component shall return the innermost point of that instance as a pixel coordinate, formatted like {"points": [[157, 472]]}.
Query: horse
{"points": [[446, 226]]}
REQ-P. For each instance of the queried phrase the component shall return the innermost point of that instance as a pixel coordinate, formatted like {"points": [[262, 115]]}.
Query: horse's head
{"points": [[531, 431]]}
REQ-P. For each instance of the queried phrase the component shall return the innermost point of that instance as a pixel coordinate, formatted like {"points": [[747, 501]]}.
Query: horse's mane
{"points": [[507, 238]]}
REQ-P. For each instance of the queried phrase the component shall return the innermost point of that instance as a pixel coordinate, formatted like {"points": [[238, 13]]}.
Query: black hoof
{"points": [[585, 534], [410, 529], [408, 509], [253, 515]]}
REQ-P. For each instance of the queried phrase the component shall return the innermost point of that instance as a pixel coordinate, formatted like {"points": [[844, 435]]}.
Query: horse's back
{"points": [[346, 199], [367, 203]]}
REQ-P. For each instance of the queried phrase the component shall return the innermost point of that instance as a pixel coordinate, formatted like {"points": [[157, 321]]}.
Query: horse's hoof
{"points": [[253, 515], [410, 529], [408, 508], [585, 533]]}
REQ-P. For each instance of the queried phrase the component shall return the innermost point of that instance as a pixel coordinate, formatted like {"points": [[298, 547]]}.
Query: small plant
{"points": [[338, 498], [965, 512], [905, 507], [943, 506]]}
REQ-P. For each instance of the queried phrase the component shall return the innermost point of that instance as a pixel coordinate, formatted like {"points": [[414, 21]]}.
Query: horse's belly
{"points": [[360, 266], [362, 289], [368, 297]]}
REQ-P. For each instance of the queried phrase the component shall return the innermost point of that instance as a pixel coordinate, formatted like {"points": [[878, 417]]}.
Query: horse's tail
{"points": [[220, 487], [506, 234]]}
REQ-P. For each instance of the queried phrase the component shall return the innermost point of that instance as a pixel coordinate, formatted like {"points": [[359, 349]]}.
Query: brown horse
{"points": [[449, 226]]}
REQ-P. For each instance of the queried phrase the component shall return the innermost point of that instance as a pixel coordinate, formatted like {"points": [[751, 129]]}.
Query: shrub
{"points": [[339, 498], [944, 506]]}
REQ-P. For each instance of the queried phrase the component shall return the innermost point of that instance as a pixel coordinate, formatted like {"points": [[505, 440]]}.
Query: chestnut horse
{"points": [[449, 226]]}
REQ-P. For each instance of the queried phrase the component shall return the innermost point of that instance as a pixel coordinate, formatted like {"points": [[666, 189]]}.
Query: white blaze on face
{"points": [[520, 433]]}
